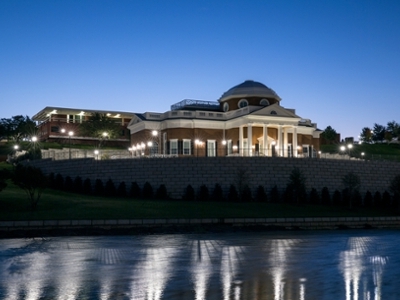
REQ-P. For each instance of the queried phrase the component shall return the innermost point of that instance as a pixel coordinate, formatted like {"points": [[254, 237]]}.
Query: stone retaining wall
{"points": [[284, 223], [177, 173]]}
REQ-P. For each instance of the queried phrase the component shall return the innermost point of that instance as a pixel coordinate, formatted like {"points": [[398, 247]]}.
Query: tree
{"points": [[32, 181], [100, 127], [366, 135], [17, 128], [395, 185], [394, 129], [329, 135], [378, 134], [297, 185], [351, 182]]}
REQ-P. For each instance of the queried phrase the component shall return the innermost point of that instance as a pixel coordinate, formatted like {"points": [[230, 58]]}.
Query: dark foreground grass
{"points": [[56, 205]]}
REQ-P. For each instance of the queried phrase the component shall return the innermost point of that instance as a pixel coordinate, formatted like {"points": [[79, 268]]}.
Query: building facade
{"points": [[60, 124], [247, 120]]}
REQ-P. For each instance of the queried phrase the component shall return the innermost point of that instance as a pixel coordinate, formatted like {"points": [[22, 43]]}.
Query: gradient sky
{"points": [[336, 62]]}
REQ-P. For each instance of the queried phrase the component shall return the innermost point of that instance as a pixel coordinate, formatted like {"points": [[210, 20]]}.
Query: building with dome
{"points": [[247, 120]]}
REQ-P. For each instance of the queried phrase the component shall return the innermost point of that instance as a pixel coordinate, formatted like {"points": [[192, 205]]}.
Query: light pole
{"points": [[155, 133], [70, 133]]}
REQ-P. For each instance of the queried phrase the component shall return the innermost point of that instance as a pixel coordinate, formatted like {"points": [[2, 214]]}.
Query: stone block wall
{"points": [[177, 173]]}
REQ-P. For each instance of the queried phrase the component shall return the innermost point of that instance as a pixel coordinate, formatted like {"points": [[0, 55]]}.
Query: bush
{"points": [[135, 191], [147, 190], [203, 194], [59, 182], [98, 187], [68, 184], [78, 185], [161, 192], [217, 194], [297, 186], [4, 175], [377, 199], [246, 195], [189, 194], [233, 195], [325, 196], [109, 189], [386, 200], [368, 199], [274, 195], [87, 186], [314, 197], [121, 190], [52, 180], [261, 196], [337, 198]]}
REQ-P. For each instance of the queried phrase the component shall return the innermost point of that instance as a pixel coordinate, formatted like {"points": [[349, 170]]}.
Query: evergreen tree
{"points": [[368, 199], [233, 195], [98, 187], [274, 194], [161, 192], [217, 194], [261, 196], [314, 197], [147, 190], [246, 194], [121, 190], [325, 196], [109, 189], [377, 199], [337, 198], [189, 194], [87, 186], [78, 185], [68, 184], [203, 194], [135, 191]]}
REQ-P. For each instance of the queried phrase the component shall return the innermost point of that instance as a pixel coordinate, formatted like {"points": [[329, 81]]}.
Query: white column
{"points": [[265, 140], [241, 140], [294, 141], [279, 142], [249, 139], [285, 142]]}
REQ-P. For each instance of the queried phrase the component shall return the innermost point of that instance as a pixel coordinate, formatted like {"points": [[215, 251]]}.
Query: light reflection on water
{"points": [[272, 266]]}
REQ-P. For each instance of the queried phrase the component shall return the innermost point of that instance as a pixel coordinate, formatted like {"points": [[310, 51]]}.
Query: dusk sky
{"points": [[336, 62]]}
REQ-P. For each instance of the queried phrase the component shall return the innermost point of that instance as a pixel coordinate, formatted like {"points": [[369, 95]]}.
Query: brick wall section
{"points": [[177, 173]]}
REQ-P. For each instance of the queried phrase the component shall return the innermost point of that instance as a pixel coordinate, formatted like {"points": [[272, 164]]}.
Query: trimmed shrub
{"points": [[314, 197], [274, 195], [337, 198], [78, 185], [261, 195], [368, 199], [98, 187], [59, 182], [68, 184], [233, 195], [87, 186], [325, 196], [161, 192], [386, 200], [121, 190], [189, 194], [52, 180], [377, 199], [135, 191], [203, 194], [246, 195], [217, 194], [147, 190], [109, 189]]}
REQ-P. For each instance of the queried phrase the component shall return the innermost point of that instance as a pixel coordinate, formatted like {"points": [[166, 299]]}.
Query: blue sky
{"points": [[336, 62]]}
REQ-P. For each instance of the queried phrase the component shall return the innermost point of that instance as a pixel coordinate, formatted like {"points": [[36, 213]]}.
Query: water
{"points": [[277, 265]]}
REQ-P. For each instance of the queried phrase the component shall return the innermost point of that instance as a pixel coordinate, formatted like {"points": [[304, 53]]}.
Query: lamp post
{"points": [[197, 143], [350, 146], [156, 133], [70, 133]]}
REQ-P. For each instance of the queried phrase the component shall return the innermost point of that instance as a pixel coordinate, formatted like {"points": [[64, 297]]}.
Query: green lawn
{"points": [[371, 151], [14, 205]]}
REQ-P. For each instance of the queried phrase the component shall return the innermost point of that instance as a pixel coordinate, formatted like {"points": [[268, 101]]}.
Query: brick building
{"points": [[247, 120]]}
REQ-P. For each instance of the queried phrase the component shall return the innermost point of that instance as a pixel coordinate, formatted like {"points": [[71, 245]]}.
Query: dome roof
{"points": [[249, 88]]}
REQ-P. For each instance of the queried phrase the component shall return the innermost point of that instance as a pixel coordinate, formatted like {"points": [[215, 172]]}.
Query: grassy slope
{"points": [[14, 205], [373, 151]]}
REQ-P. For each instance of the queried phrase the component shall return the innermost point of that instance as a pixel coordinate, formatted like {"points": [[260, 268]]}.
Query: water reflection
{"points": [[274, 266]]}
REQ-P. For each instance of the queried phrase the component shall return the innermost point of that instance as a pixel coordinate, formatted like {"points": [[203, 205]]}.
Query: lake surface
{"points": [[274, 265]]}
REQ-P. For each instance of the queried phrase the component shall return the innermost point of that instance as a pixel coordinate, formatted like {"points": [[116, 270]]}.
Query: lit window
{"points": [[243, 103]]}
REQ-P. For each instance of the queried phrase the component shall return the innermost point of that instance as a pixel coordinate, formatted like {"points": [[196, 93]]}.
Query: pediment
{"points": [[275, 110], [135, 119]]}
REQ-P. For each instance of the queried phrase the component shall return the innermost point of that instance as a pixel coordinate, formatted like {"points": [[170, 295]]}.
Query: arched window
{"points": [[264, 102], [225, 107], [273, 112], [243, 103]]}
